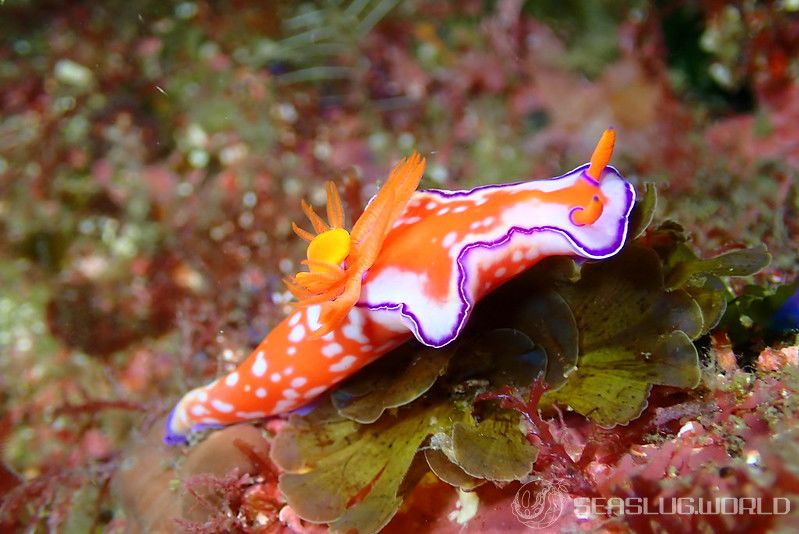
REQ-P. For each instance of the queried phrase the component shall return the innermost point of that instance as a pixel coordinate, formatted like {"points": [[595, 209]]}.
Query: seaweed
{"points": [[633, 334], [390, 382], [594, 337], [350, 475]]}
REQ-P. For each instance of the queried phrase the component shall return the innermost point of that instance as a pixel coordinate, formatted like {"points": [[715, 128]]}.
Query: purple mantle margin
{"points": [[466, 305]]}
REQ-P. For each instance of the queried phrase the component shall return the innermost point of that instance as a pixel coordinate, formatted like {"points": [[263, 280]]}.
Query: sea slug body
{"points": [[415, 264]]}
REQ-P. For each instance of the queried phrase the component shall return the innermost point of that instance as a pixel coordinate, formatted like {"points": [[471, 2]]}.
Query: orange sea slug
{"points": [[414, 264]]}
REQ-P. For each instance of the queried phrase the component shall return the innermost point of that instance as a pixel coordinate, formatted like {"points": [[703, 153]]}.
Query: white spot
{"points": [[413, 220], [449, 239], [366, 348], [211, 421], [247, 388], [431, 205], [313, 392], [198, 410], [298, 382], [475, 225], [531, 254], [354, 330], [343, 364], [292, 351], [221, 406], [329, 336], [480, 201], [251, 415], [275, 377], [443, 211], [203, 396], [313, 313], [232, 379], [331, 350], [500, 272], [288, 371], [295, 319], [517, 255], [259, 367], [488, 221], [260, 393], [460, 209], [290, 394], [297, 333]]}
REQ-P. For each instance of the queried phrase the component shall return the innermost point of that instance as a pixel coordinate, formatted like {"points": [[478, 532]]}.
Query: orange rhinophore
{"points": [[602, 154], [414, 264]]}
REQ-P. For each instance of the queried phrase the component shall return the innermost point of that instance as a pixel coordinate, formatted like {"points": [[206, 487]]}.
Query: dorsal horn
{"points": [[602, 154]]}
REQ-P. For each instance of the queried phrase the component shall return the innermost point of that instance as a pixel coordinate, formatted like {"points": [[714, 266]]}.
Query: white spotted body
{"points": [[444, 252]]}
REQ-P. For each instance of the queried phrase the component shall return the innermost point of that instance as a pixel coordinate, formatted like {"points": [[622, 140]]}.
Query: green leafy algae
{"points": [[450, 472], [624, 349], [494, 448], [601, 334], [394, 380], [644, 212], [350, 475]]}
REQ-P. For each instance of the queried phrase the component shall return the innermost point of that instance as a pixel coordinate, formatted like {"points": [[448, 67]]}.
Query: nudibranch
{"points": [[414, 264]]}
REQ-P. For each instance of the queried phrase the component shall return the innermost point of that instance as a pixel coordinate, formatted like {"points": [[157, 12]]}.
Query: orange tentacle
{"points": [[401, 183], [602, 154], [321, 298], [304, 234], [368, 249], [318, 224], [299, 292], [306, 296], [317, 283], [335, 213]]}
